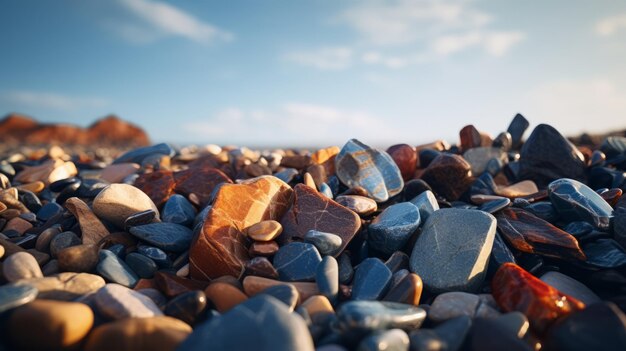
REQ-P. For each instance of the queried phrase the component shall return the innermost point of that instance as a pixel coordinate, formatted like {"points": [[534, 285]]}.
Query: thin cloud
{"points": [[494, 43], [610, 25], [326, 58], [54, 101]]}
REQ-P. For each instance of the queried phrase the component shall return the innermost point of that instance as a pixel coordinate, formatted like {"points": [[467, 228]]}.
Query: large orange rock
{"points": [[220, 248]]}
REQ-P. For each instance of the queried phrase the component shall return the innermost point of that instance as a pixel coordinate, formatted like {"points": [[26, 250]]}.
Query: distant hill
{"points": [[108, 131]]}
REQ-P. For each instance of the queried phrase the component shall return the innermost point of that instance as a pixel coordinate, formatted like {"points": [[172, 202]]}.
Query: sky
{"points": [[316, 73]]}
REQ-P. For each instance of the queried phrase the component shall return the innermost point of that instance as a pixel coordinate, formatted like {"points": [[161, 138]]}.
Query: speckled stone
{"points": [[392, 229]]}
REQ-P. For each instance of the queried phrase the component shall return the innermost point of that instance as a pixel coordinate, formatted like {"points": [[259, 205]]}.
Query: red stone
{"points": [[405, 157], [221, 247], [263, 248], [449, 176], [470, 137], [172, 285], [612, 196], [514, 289], [312, 210], [531, 234], [159, 186], [199, 181]]}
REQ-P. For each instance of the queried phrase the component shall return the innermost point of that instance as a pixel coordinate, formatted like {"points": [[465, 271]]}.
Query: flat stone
{"points": [[449, 176], [495, 206], [389, 340], [224, 296], [479, 157], [12, 296], [445, 259], [115, 270], [604, 253], [575, 201], [58, 325], [65, 286], [115, 173], [178, 210], [200, 181], [326, 243], [488, 334], [397, 261], [253, 285], [426, 203], [220, 246], [361, 205], [453, 304], [118, 302], [516, 129], [547, 156], [264, 230], [262, 267], [376, 315], [312, 211], [405, 157], [79, 258], [187, 307], [117, 202], [172, 285], [139, 154], [407, 291], [371, 280], [166, 236], [523, 188], [21, 265], [263, 248], [143, 266], [297, 262], [392, 229], [154, 333], [359, 165], [93, 231], [327, 278], [157, 255], [571, 287], [268, 323], [515, 322]]}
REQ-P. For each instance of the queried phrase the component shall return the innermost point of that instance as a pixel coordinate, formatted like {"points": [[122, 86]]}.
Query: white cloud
{"points": [[610, 25], [144, 21], [326, 58], [494, 43], [293, 124], [574, 106], [53, 101]]}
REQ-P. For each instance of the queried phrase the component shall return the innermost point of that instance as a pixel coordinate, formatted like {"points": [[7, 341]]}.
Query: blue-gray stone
{"points": [[287, 174], [62, 241], [326, 190], [426, 203], [453, 332], [544, 210], [571, 287], [297, 262], [327, 278], [166, 236], [391, 230], [115, 270], [376, 315], [579, 228], [388, 340], [360, 165], [500, 253], [493, 166], [613, 146], [479, 157], [489, 334], [137, 155], [516, 128], [371, 280], [265, 324], [188, 307], [575, 201], [326, 243], [604, 253], [495, 205], [118, 249], [157, 255], [178, 210], [346, 271], [515, 322], [285, 293], [142, 265], [452, 252], [12, 296], [201, 216], [48, 211], [619, 227]]}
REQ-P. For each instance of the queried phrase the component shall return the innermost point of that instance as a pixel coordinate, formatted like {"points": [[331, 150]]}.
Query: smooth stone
{"points": [[139, 154], [515, 322], [570, 286], [199, 183], [140, 218], [285, 293], [408, 290], [516, 129], [500, 253], [523, 188], [326, 243], [575, 201], [187, 307], [376, 315], [604, 253], [371, 280], [388, 340], [453, 304], [405, 157], [154, 333], [445, 259], [220, 248], [312, 211], [361, 205], [118, 302], [346, 271], [483, 185], [224, 296], [449, 176], [118, 201], [263, 248], [327, 278], [470, 137], [426, 203], [65, 286], [503, 141], [12, 296], [264, 230], [172, 285], [49, 211], [495, 206], [155, 295], [143, 266], [287, 174], [613, 146], [392, 229], [453, 332], [479, 157], [157, 255], [601, 326], [547, 156], [253, 285], [20, 265], [488, 334], [79, 258], [118, 249], [166, 236], [544, 210], [326, 190], [268, 323], [115, 173], [50, 325], [297, 262], [426, 340], [178, 210], [115, 270], [62, 241], [360, 165], [397, 261], [92, 230], [262, 267], [414, 187]]}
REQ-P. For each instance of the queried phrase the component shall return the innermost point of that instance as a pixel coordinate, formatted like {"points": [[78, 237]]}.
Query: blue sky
{"points": [[315, 72]]}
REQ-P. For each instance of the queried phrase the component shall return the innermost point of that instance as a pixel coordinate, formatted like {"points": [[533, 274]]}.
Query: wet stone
{"points": [[576, 201], [143, 266], [376, 315], [397, 261], [12, 296], [371, 280], [21, 265], [391, 229], [178, 210], [118, 302], [426, 203], [166, 236], [405, 158], [115, 270], [346, 271], [570, 286], [516, 128], [297, 262], [408, 290], [544, 210], [327, 278], [140, 218], [326, 243]]}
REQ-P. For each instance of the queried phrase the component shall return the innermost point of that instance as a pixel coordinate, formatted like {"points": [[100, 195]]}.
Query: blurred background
{"points": [[315, 73]]}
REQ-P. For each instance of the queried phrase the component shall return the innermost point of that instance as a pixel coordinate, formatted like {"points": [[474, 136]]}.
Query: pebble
{"points": [[111, 267], [21, 265], [426, 203], [488, 334], [479, 158], [170, 237], [265, 230], [388, 340], [79, 258], [327, 278], [515, 322], [326, 243], [117, 202], [65, 286], [392, 229], [371, 280], [376, 315], [405, 157], [12, 296], [575, 201], [139, 154], [143, 266], [62, 241], [516, 129], [224, 296], [178, 210], [118, 302], [361, 205], [187, 307], [93, 231], [408, 290], [297, 262]]}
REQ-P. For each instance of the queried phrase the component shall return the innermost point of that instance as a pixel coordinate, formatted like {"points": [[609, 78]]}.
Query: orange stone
{"points": [[523, 188], [253, 285], [224, 296], [115, 173], [408, 290], [318, 304], [93, 231], [34, 187], [159, 186], [265, 230], [199, 181], [221, 246]]}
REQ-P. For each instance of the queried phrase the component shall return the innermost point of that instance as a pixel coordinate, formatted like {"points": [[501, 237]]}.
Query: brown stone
{"points": [[123, 238], [361, 205], [158, 185], [224, 296], [2, 206], [318, 304], [47, 172], [257, 170], [612, 196], [9, 247], [172, 285], [326, 158], [470, 137], [296, 161], [221, 246], [79, 258], [480, 199], [264, 230], [262, 267], [49, 325], [199, 181], [34, 187], [449, 176], [18, 224], [41, 257], [115, 173], [318, 173], [253, 285], [44, 239], [405, 157], [65, 286], [312, 210], [144, 283], [132, 334], [93, 231], [523, 188], [408, 290], [263, 248]]}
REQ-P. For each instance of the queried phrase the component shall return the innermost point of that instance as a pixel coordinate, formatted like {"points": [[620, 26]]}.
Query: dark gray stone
{"points": [[326, 243], [297, 262], [178, 210], [575, 201], [167, 236], [113, 269], [426, 203], [327, 278], [571, 287], [371, 280], [142, 265], [388, 340], [391, 229], [376, 315]]}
